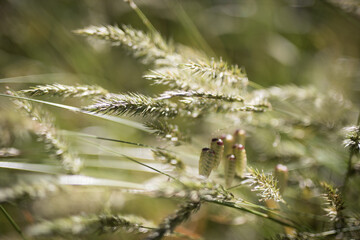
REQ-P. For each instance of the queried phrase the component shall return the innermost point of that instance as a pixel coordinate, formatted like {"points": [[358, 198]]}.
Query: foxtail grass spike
{"points": [[207, 160], [241, 159], [30, 191], [220, 72], [169, 159], [89, 226], [133, 104], [9, 152], [352, 139], [150, 48], [265, 184], [167, 131], [168, 224], [239, 136], [217, 145], [60, 90], [282, 175], [230, 169], [335, 203], [47, 133], [248, 108], [201, 94]]}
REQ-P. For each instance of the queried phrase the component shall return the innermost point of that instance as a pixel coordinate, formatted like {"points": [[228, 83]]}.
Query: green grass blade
{"points": [[126, 122], [32, 167], [12, 221], [108, 149]]}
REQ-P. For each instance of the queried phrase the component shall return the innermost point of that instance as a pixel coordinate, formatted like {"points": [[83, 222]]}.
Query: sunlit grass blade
{"points": [[108, 149], [32, 167], [113, 140], [92, 181], [126, 122]]}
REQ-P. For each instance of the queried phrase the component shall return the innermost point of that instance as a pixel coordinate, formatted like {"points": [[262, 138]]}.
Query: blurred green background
{"points": [[277, 42]]}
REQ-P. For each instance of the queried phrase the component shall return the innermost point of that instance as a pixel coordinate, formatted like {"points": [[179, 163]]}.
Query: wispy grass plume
{"points": [[28, 191], [47, 133], [352, 139], [205, 95], [60, 90], [334, 202], [9, 152], [133, 104], [169, 159], [90, 224], [168, 224], [220, 72], [150, 48], [173, 78], [167, 131], [266, 185]]}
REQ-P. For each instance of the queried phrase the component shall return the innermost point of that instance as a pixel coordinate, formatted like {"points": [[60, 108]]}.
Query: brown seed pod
{"points": [[230, 169], [240, 154], [218, 146], [239, 136], [228, 140], [207, 162]]}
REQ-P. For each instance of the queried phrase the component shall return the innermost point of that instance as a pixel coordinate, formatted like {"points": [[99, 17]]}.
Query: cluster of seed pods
{"points": [[228, 150], [210, 158]]}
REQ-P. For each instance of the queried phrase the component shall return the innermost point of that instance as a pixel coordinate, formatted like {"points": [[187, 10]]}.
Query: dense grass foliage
{"points": [[185, 120]]}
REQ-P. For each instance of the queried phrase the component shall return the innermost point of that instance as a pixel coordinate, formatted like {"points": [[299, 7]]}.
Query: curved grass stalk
{"points": [[126, 122], [142, 16], [333, 232], [116, 140], [31, 167], [254, 85], [12, 222], [239, 205], [252, 211], [136, 161], [187, 23], [121, 165]]}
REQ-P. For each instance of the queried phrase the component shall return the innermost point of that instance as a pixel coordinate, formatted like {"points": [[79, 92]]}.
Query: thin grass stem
{"points": [[12, 222], [126, 122], [138, 162]]}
